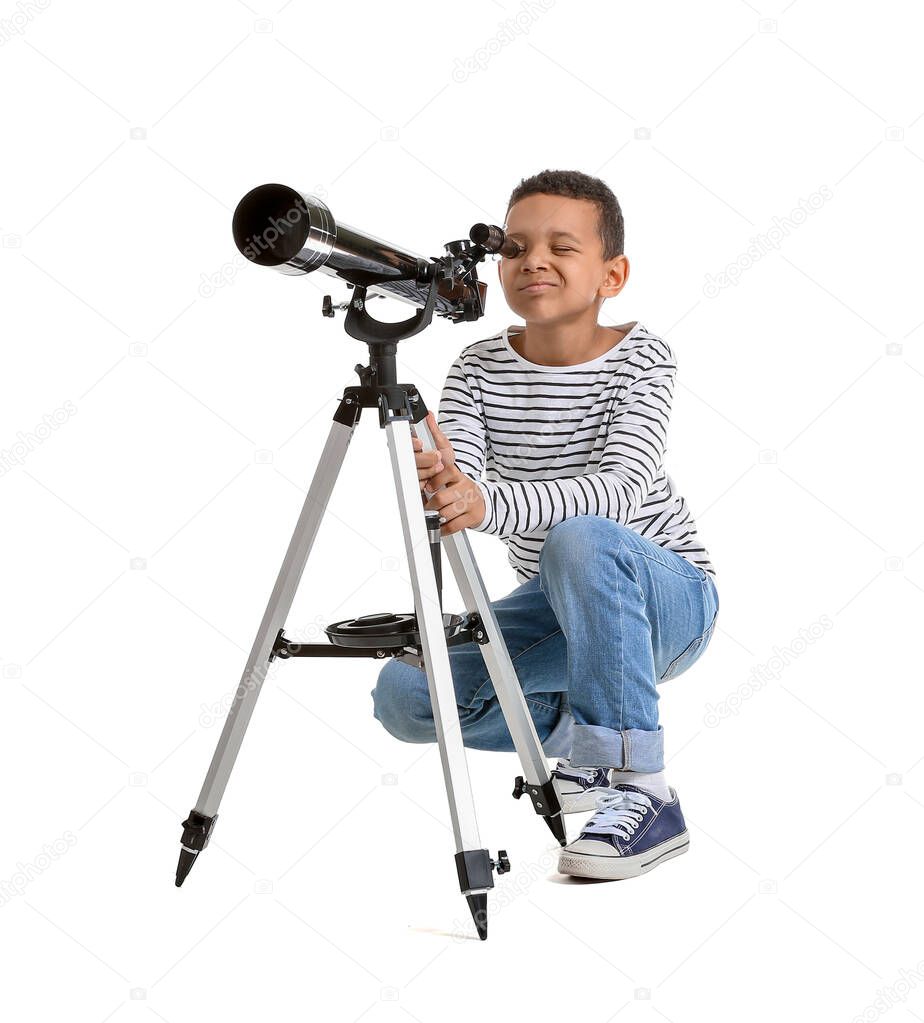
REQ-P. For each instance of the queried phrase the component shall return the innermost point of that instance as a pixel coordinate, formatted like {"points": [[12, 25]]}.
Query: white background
{"points": [[328, 891]]}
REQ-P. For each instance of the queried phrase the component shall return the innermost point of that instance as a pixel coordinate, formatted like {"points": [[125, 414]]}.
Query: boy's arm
{"points": [[630, 462], [461, 421]]}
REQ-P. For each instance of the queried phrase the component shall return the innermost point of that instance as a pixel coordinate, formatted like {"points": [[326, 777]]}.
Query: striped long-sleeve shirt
{"points": [[545, 443]]}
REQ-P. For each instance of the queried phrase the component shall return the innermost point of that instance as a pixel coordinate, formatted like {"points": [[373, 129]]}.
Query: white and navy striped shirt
{"points": [[545, 443]]}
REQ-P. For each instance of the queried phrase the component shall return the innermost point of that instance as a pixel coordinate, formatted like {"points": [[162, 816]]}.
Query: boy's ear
{"points": [[617, 275]]}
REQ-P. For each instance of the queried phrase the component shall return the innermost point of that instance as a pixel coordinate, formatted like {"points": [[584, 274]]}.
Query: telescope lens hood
{"points": [[278, 226]]}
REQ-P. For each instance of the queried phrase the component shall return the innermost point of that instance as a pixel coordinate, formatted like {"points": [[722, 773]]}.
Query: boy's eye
{"points": [[556, 248]]}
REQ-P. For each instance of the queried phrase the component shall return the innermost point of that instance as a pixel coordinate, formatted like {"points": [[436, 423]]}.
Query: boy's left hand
{"points": [[460, 501]]}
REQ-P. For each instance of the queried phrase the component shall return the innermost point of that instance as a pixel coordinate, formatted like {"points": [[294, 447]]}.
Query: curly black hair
{"points": [[577, 185]]}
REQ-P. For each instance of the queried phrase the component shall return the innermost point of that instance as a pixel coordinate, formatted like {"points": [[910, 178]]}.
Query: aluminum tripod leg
{"points": [[198, 826], [473, 864], [538, 782]]}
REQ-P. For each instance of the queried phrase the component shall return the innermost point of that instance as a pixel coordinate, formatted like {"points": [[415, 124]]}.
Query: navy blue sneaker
{"points": [[579, 786], [631, 833]]}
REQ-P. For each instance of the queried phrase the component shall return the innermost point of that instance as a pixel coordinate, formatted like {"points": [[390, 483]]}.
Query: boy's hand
{"points": [[459, 502], [431, 462]]}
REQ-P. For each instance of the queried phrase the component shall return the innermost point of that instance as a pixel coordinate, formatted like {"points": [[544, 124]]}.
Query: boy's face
{"points": [[571, 261]]}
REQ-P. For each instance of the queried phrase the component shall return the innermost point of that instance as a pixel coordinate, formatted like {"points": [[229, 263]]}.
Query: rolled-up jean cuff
{"points": [[558, 742], [633, 749]]}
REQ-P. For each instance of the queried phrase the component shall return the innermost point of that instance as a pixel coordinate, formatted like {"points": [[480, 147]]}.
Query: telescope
{"points": [[296, 233]]}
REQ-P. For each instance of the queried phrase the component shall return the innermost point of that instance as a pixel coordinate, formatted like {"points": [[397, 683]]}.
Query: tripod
{"points": [[420, 639]]}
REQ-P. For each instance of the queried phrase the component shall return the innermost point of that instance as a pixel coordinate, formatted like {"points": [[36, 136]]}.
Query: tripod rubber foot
{"points": [[478, 904], [187, 859], [197, 828], [546, 802]]}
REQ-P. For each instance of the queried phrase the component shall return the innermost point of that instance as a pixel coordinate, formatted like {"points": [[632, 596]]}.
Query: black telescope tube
{"points": [[295, 233]]}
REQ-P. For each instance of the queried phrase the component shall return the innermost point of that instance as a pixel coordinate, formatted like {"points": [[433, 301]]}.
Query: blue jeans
{"points": [[609, 616]]}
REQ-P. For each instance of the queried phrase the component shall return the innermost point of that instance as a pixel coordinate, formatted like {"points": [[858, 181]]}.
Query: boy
{"points": [[552, 438]]}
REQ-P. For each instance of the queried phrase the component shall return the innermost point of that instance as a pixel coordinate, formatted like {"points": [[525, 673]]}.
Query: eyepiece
{"points": [[492, 238]]}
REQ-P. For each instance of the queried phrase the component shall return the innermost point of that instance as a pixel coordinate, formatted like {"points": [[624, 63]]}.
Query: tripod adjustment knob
{"points": [[501, 864], [366, 374]]}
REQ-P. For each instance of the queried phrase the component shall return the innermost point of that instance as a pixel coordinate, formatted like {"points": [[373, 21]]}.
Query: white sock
{"points": [[654, 783]]}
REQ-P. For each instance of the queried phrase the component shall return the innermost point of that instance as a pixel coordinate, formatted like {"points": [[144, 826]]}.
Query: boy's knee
{"points": [[401, 702], [580, 539]]}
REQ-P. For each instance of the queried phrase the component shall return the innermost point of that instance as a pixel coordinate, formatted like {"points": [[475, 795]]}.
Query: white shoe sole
{"points": [[617, 868]]}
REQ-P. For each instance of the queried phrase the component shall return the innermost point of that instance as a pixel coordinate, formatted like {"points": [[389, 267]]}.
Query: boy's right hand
{"points": [[429, 463]]}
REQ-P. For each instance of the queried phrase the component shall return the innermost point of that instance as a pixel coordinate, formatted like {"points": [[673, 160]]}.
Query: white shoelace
{"points": [[565, 770], [619, 811]]}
